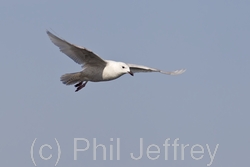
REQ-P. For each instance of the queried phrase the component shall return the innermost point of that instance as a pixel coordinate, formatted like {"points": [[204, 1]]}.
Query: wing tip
{"points": [[178, 72], [50, 34]]}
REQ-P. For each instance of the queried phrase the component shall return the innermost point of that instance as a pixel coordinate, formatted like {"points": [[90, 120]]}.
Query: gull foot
{"points": [[80, 83], [80, 86]]}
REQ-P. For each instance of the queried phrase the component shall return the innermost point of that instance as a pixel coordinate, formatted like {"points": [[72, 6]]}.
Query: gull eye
{"points": [[123, 67]]}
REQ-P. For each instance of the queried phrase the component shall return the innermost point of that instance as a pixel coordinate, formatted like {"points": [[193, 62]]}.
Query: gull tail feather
{"points": [[71, 78]]}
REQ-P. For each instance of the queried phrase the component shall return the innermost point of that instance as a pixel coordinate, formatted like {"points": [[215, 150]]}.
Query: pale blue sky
{"points": [[208, 104]]}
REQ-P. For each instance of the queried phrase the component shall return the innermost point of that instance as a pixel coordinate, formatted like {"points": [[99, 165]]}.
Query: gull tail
{"points": [[72, 78]]}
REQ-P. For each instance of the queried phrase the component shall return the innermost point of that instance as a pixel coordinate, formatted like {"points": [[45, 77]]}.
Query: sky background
{"points": [[208, 104]]}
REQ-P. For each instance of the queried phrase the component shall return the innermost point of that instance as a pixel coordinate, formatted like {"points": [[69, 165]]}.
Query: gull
{"points": [[96, 69]]}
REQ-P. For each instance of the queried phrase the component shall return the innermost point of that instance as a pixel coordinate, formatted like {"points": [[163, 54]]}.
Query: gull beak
{"points": [[132, 74]]}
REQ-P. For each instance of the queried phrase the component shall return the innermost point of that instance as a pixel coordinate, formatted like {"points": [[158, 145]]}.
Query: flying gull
{"points": [[96, 69]]}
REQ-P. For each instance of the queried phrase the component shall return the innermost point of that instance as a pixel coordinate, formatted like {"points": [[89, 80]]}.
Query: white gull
{"points": [[95, 69]]}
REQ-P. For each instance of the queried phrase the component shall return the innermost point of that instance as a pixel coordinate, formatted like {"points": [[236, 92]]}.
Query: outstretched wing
{"points": [[139, 68], [79, 54]]}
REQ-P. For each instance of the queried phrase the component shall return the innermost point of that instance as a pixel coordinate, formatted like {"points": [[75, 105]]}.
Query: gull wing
{"points": [[139, 68], [79, 54]]}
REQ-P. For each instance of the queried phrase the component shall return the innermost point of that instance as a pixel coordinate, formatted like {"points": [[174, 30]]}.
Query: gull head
{"points": [[125, 68], [115, 69]]}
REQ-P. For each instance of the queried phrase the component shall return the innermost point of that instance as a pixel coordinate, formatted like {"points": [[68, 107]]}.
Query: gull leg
{"points": [[80, 86], [80, 83]]}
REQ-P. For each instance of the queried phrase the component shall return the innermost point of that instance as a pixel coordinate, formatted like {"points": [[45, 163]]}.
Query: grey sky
{"points": [[208, 104]]}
